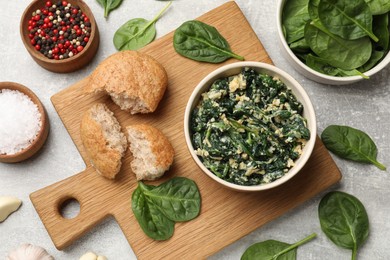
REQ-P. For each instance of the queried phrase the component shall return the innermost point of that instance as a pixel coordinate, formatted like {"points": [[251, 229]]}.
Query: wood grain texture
{"points": [[226, 215]]}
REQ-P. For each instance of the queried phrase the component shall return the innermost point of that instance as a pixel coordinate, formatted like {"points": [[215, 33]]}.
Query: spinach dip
{"points": [[248, 129]]}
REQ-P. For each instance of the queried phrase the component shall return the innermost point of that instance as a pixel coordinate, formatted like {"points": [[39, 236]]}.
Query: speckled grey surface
{"points": [[365, 105]]}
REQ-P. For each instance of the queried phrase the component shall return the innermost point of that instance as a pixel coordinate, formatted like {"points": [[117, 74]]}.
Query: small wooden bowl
{"points": [[42, 134], [66, 65]]}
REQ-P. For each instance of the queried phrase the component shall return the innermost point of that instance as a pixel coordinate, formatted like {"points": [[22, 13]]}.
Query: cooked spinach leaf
{"points": [[350, 20], [137, 33], [344, 220], [351, 144], [341, 53], [273, 249], [202, 42], [294, 17], [157, 208], [109, 5], [379, 6], [248, 129]]}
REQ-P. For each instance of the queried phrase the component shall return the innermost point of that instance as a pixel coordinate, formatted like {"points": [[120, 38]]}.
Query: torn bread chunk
{"points": [[152, 152], [103, 140], [135, 81]]}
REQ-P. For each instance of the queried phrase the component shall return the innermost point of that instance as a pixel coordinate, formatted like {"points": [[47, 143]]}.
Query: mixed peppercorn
{"points": [[59, 30]]}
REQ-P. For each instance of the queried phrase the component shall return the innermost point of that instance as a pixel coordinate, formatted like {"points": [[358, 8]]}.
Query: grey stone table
{"points": [[365, 106]]}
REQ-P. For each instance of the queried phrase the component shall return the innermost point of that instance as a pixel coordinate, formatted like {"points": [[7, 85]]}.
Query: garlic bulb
{"points": [[29, 252]]}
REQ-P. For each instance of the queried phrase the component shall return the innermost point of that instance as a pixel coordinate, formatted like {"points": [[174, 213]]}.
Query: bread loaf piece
{"points": [[135, 81], [153, 153], [103, 140]]}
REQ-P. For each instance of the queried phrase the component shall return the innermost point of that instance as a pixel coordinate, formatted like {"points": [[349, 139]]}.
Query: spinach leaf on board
{"points": [[341, 53], [378, 6], [178, 199], [344, 220], [294, 17], [272, 249], [109, 5], [381, 29], [156, 208], [137, 33], [202, 42], [350, 20], [350, 143], [155, 225]]}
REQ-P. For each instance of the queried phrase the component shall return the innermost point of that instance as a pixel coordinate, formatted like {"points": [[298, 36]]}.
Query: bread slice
{"points": [[152, 152], [135, 81], [103, 140]]}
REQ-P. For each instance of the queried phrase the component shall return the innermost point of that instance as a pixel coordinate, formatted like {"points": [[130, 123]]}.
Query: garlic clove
{"points": [[29, 252], [92, 256], [8, 205], [89, 256]]}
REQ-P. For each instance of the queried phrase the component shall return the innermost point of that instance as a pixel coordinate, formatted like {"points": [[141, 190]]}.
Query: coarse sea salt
{"points": [[20, 121]]}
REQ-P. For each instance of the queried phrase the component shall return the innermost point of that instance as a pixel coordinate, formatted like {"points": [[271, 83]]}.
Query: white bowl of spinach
{"points": [[335, 41], [250, 126]]}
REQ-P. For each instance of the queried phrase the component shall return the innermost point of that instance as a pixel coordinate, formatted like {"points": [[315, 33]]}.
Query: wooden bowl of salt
{"points": [[24, 123]]}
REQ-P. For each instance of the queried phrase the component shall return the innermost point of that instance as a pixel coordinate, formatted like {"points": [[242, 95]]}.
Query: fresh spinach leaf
{"points": [[313, 9], [300, 46], [351, 144], [320, 65], [294, 17], [137, 33], [354, 72], [302, 56], [378, 6], [157, 208], [178, 199], [381, 28], [350, 20], [337, 34], [155, 225], [274, 250], [109, 5], [344, 220], [202, 42], [341, 53], [376, 56]]}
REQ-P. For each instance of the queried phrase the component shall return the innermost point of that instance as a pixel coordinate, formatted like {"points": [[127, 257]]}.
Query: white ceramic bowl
{"points": [[234, 69], [309, 72]]}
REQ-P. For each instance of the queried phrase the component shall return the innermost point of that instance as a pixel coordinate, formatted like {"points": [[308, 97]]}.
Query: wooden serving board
{"points": [[226, 215]]}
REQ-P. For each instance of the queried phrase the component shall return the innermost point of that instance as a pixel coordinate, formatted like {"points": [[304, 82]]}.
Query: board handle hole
{"points": [[70, 208]]}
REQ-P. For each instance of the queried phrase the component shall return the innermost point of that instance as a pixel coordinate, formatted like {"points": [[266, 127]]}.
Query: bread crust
{"points": [[106, 160], [160, 147], [130, 75]]}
